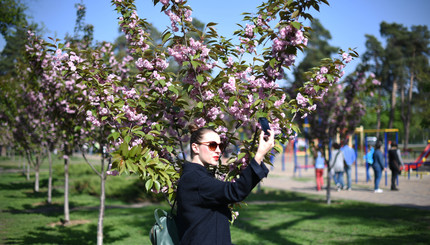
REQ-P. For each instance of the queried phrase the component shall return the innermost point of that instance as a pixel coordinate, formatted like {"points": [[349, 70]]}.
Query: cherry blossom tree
{"points": [[217, 86]]}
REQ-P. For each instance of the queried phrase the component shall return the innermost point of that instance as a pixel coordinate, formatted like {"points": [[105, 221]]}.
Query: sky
{"points": [[348, 21]]}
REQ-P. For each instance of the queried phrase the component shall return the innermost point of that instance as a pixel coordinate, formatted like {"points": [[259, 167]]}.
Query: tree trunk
{"points": [[328, 186], [102, 202], [23, 164], [50, 178], [36, 173], [407, 115], [393, 103], [28, 171], [378, 113], [28, 157], [66, 187]]}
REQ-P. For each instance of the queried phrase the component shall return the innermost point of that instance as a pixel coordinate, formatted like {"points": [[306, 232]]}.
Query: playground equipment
{"points": [[421, 160]]}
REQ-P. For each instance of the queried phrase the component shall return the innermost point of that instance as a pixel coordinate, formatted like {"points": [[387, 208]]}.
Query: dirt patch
{"points": [[70, 223]]}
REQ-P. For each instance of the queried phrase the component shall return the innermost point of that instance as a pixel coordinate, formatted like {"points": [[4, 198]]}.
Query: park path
{"points": [[414, 191]]}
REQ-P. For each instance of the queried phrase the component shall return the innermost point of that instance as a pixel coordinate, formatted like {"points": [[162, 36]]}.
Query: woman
{"points": [[337, 165], [203, 214], [395, 163], [378, 166], [319, 168]]}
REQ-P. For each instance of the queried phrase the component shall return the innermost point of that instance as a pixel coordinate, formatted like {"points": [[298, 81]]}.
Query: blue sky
{"points": [[347, 20]]}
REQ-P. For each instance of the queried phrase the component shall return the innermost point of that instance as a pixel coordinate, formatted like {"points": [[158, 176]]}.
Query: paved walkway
{"points": [[414, 192]]}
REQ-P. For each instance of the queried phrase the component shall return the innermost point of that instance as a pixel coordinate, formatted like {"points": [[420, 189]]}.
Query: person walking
{"points": [[395, 163], [350, 158], [378, 166], [337, 165], [203, 214], [369, 161], [319, 168]]}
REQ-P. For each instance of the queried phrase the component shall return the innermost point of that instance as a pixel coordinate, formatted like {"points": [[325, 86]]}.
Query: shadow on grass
{"points": [[46, 209], [120, 225], [69, 235], [282, 217], [21, 185]]}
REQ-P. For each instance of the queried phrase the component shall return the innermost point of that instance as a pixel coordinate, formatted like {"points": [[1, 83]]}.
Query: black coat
{"points": [[394, 160], [203, 214]]}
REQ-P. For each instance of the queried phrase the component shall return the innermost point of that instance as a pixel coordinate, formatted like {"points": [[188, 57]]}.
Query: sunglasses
{"points": [[212, 145]]}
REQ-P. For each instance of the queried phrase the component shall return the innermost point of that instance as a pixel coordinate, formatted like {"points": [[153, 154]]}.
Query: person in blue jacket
{"points": [[369, 160], [378, 166], [350, 158], [203, 214]]}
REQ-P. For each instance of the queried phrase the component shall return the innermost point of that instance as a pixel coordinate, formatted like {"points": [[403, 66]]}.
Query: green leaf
{"points": [[296, 25], [115, 135], [241, 155], [148, 184], [200, 79], [195, 64], [278, 148], [211, 24], [166, 36], [231, 101], [134, 151], [157, 185], [261, 114], [272, 63], [127, 139], [174, 90], [124, 149]]}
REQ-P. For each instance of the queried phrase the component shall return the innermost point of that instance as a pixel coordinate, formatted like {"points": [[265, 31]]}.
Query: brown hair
{"points": [[197, 135]]}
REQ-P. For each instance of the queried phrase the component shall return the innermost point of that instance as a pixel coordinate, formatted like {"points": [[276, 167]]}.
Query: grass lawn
{"points": [[271, 217]]}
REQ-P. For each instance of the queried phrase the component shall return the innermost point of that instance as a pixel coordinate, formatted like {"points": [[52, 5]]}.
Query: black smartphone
{"points": [[264, 123]]}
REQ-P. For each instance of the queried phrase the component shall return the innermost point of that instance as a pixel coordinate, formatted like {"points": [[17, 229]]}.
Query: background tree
{"points": [[397, 65], [373, 60], [13, 28]]}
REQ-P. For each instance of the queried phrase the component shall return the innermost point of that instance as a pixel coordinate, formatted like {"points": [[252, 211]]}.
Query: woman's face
{"points": [[204, 153]]}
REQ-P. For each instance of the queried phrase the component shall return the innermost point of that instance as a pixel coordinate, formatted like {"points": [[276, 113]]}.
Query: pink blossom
{"points": [[230, 86], [278, 103], [213, 113], [249, 30], [323, 70], [208, 95], [347, 57], [200, 122], [376, 82], [114, 172], [312, 107], [301, 100]]}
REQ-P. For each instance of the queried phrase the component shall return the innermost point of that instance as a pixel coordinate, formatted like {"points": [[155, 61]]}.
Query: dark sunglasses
{"points": [[212, 145]]}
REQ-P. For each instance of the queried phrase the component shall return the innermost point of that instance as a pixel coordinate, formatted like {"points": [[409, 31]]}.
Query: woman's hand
{"points": [[264, 146]]}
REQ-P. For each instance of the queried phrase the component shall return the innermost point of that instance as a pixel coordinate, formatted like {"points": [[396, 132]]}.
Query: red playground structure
{"points": [[421, 159]]}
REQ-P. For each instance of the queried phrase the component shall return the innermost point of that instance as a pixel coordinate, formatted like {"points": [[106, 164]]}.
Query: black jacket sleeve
{"points": [[215, 192]]}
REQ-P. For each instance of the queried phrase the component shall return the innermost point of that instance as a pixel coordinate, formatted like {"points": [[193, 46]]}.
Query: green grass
{"points": [[271, 217]]}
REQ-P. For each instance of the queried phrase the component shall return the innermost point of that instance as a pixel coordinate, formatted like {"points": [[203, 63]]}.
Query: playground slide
{"points": [[420, 159]]}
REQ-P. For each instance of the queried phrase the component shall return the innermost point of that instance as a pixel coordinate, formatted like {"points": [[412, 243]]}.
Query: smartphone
{"points": [[264, 123]]}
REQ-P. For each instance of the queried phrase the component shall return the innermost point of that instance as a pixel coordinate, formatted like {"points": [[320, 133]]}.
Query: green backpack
{"points": [[164, 231]]}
